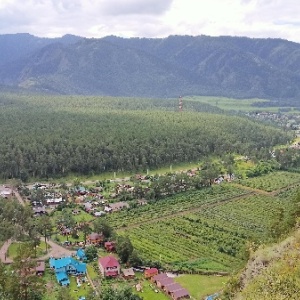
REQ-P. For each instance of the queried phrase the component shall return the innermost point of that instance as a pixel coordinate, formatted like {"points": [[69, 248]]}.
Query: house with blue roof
{"points": [[80, 254], [65, 266]]}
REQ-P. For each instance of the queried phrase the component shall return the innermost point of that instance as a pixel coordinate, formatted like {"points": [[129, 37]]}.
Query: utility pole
{"points": [[180, 104]]}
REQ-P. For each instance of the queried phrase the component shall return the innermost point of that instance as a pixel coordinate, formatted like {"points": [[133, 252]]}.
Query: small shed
{"points": [[128, 273], [80, 253], [40, 268], [138, 287]]}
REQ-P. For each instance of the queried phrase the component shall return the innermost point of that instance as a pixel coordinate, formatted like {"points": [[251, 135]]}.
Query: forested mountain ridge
{"points": [[166, 67], [15, 46]]}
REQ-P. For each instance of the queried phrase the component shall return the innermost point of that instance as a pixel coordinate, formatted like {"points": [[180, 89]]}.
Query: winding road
{"points": [[55, 251]]}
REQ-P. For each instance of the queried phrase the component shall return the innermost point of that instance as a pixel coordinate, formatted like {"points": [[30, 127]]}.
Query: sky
{"points": [[152, 18]]}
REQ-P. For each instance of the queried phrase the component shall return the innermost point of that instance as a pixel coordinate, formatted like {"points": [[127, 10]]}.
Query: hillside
{"points": [[272, 272], [143, 67]]}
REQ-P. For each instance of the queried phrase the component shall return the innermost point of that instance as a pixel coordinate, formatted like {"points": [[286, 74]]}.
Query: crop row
{"points": [[272, 181], [214, 235], [174, 204]]}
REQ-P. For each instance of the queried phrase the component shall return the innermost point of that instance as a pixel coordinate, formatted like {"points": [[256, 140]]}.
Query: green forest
{"points": [[53, 136]]}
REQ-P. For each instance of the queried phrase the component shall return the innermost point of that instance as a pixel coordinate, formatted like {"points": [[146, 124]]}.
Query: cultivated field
{"points": [[272, 181], [210, 238]]}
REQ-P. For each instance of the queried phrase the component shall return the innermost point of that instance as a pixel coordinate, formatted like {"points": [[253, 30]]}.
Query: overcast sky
{"points": [[152, 18]]}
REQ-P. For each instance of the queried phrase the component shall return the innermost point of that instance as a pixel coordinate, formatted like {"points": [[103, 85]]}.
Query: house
{"points": [[80, 190], [39, 211], [171, 288], [65, 231], [99, 213], [150, 272], [109, 266], [118, 206], [107, 209], [110, 246], [6, 192], [40, 268], [161, 283], [159, 277], [128, 273], [95, 238], [88, 206], [80, 254], [180, 294], [66, 266], [54, 201]]}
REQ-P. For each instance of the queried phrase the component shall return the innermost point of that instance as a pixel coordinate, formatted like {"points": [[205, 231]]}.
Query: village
{"points": [[86, 260]]}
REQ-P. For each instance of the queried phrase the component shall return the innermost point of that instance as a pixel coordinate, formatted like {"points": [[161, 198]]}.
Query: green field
{"points": [[149, 292], [14, 247], [272, 181], [173, 205], [244, 105], [210, 238], [200, 286]]}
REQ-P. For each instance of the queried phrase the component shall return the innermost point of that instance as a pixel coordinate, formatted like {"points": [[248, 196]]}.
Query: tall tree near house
{"points": [[45, 228], [86, 229], [210, 171], [63, 294], [102, 226], [35, 240], [118, 294], [124, 248], [28, 285]]}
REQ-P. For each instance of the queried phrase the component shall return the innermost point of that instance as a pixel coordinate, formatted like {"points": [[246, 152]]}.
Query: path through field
{"points": [[188, 211]]}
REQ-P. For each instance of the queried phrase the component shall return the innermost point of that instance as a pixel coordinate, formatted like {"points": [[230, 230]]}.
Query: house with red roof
{"points": [[150, 272], [109, 266]]}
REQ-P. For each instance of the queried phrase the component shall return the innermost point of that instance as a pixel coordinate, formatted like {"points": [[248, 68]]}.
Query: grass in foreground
{"points": [[149, 292], [200, 286], [13, 250]]}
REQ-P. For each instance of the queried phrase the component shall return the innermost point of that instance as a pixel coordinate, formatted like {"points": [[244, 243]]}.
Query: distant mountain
{"points": [[168, 67], [15, 46]]}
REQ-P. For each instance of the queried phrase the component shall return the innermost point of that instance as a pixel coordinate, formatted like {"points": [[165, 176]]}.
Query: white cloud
{"points": [[152, 18]]}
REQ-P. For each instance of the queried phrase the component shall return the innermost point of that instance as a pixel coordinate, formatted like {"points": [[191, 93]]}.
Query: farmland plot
{"points": [[272, 181], [174, 205], [211, 238]]}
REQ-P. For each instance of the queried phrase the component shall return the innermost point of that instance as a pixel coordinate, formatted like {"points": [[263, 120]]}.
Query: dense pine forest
{"points": [[53, 136]]}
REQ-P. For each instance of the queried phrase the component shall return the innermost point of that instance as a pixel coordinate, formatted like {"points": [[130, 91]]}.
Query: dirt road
{"points": [[3, 252]]}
